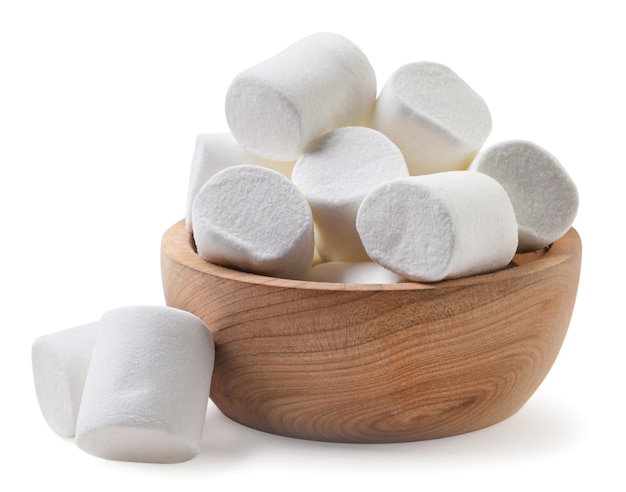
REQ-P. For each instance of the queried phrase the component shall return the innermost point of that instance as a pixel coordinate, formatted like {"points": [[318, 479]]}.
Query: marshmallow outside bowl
{"points": [[377, 363], [147, 387]]}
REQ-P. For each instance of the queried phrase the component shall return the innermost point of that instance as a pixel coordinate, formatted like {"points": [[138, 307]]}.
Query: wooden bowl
{"points": [[377, 363]]}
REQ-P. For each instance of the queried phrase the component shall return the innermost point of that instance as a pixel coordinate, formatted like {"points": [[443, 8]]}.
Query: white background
{"points": [[100, 104]]}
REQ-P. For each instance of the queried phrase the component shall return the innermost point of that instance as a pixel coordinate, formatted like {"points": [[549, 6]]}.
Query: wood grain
{"points": [[377, 363]]}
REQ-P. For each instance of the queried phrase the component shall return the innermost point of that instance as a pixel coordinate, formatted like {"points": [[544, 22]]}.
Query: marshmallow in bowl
{"points": [[214, 152], [347, 272], [438, 121], [335, 174], [543, 194], [276, 108], [60, 362], [147, 387], [254, 219], [439, 226]]}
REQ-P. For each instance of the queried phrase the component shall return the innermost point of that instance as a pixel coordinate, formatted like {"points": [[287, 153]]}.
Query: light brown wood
{"points": [[377, 363]]}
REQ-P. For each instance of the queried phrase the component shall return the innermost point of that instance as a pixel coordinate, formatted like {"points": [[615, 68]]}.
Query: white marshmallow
{"points": [[436, 119], [444, 225], [60, 363], [543, 194], [147, 388], [344, 272], [214, 152], [277, 108], [256, 220], [335, 174]]}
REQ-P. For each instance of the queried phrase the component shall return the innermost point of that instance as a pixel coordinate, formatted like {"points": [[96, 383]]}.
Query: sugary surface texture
{"points": [[438, 121], [254, 219], [214, 152], [445, 225], [60, 361], [544, 196], [335, 174], [276, 108], [147, 387]]}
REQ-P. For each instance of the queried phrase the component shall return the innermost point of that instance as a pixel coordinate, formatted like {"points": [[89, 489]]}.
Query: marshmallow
{"points": [[344, 272], [254, 219], [436, 119], [60, 361], [444, 225], [147, 388], [214, 152], [277, 108], [544, 196], [335, 174]]}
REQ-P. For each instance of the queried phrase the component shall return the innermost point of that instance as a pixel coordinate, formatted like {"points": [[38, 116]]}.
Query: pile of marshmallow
{"points": [[131, 386], [321, 180], [318, 180]]}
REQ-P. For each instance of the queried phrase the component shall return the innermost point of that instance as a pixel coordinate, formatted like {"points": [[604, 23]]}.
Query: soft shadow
{"points": [[543, 427], [225, 442]]}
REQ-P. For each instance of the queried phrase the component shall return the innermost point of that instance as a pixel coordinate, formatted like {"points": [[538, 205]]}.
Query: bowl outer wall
{"points": [[377, 363]]}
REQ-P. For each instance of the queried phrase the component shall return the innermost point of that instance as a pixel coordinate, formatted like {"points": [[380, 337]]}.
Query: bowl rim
{"points": [[177, 244]]}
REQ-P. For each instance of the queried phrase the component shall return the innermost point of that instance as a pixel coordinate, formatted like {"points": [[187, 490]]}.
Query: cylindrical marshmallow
{"points": [[543, 194], [438, 226], [438, 121], [256, 220], [335, 174], [214, 152], [276, 108], [147, 388], [345, 272], [60, 362]]}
